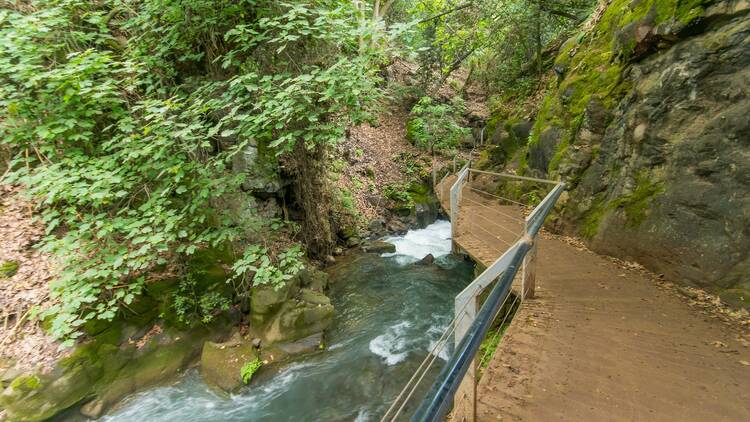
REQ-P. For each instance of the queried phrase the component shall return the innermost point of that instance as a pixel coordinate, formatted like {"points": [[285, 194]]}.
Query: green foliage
{"points": [[8, 269], [249, 369], [415, 167], [191, 304], [347, 201], [256, 265], [124, 116], [489, 345], [397, 192], [497, 40], [435, 126], [358, 183]]}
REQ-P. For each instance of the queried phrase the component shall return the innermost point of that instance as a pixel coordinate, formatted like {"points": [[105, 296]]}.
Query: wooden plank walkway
{"points": [[602, 343]]}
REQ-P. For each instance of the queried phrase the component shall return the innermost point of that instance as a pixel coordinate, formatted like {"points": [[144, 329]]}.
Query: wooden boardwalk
{"points": [[599, 342]]}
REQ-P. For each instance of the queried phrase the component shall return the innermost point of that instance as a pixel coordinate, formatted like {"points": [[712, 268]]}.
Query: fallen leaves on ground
{"points": [[22, 340]]}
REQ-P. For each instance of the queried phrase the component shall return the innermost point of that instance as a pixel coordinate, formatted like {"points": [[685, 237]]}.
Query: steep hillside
{"points": [[647, 123]]}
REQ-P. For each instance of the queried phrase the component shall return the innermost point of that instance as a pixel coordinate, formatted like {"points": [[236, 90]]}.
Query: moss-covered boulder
{"points": [[99, 373], [309, 313], [313, 279], [145, 347], [379, 246], [266, 300], [221, 362]]}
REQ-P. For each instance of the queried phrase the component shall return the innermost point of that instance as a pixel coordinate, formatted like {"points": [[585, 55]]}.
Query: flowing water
{"points": [[389, 314]]}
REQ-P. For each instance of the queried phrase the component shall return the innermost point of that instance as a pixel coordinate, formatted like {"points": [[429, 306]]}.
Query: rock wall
{"points": [[648, 123], [131, 353]]}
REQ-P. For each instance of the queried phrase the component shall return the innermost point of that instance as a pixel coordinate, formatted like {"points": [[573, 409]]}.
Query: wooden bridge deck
{"points": [[601, 343]]}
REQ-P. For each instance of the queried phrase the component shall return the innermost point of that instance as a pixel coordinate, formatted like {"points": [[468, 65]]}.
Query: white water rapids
{"points": [[389, 314]]}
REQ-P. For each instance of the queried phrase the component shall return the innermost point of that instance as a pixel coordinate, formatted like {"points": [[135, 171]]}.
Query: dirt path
{"points": [[604, 343]]}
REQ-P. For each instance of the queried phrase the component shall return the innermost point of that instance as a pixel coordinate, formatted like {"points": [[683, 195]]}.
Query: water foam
{"points": [[434, 333], [434, 239], [391, 345]]}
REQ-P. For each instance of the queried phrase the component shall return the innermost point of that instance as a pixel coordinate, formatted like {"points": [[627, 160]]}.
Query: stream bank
{"points": [[389, 312]]}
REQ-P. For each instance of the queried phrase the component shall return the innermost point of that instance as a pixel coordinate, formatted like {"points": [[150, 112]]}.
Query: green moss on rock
{"points": [[636, 204], [111, 365], [26, 383]]}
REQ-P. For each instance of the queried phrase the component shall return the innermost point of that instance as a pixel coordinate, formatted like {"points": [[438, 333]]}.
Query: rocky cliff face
{"points": [[648, 122]]}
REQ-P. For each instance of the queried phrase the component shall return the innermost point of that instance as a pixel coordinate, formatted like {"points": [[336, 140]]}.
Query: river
{"points": [[389, 313]]}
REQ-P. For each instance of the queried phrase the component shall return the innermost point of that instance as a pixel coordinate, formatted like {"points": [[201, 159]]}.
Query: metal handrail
{"points": [[455, 196], [437, 403]]}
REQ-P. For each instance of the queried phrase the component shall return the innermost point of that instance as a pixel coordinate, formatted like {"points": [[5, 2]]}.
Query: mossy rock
{"points": [[34, 397], [378, 247], [313, 279], [298, 318], [221, 362], [8, 269], [266, 300], [101, 372]]}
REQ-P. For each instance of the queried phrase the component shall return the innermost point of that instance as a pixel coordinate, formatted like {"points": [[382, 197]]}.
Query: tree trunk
{"points": [[313, 195], [539, 37]]}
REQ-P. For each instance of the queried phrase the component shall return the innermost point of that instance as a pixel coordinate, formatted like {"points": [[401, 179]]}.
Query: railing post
{"points": [[528, 273], [465, 399], [455, 199]]}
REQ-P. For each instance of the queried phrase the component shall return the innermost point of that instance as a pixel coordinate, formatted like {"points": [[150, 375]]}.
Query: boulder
{"points": [[379, 246], [426, 213], [310, 313], [652, 141], [541, 153], [266, 300], [103, 373], [313, 279], [221, 362], [305, 345], [427, 260]]}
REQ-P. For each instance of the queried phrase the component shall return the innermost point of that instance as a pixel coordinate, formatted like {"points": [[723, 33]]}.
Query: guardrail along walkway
{"points": [[599, 342]]}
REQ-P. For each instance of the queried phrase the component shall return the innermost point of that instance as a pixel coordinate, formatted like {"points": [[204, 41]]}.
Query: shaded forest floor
{"points": [[22, 339]]}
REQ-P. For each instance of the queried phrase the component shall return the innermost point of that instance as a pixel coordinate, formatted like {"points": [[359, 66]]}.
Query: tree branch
{"points": [[447, 12], [561, 13]]}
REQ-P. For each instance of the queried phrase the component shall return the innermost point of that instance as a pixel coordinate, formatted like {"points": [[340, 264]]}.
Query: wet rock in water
{"points": [[309, 313], [396, 226], [93, 409], [379, 246], [221, 362], [104, 372], [427, 260], [305, 345], [426, 213]]}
